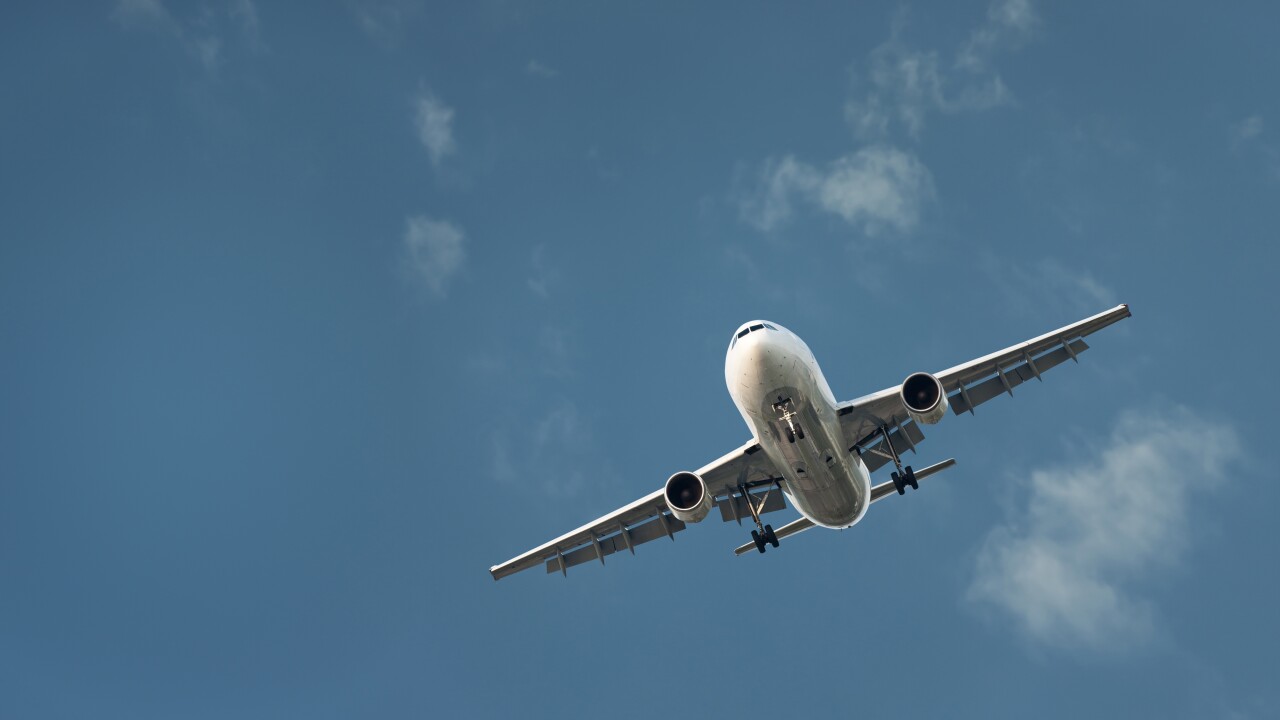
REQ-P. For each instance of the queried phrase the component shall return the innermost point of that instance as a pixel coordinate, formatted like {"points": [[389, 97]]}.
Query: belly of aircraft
{"points": [[825, 483]]}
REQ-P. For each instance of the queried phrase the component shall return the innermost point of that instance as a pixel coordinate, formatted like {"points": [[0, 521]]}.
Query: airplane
{"points": [[816, 452]]}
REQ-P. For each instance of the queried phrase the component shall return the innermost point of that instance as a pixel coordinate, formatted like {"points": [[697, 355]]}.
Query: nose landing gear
{"points": [[787, 413]]}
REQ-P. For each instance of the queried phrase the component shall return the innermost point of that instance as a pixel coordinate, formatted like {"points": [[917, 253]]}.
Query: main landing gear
{"points": [[903, 476], [787, 413], [763, 535]]}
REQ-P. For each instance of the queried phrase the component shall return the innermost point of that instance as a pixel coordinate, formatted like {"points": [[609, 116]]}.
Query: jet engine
{"points": [[924, 398], [687, 496]]}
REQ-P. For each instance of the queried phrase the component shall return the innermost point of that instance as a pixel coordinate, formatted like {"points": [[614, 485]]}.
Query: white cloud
{"points": [[435, 251], [876, 187], [537, 69], [434, 121], [1067, 569]]}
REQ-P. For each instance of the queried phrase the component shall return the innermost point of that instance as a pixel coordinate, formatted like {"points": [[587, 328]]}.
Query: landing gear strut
{"points": [[763, 535], [902, 477]]}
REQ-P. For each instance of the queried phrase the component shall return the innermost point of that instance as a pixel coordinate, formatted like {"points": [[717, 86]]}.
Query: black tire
{"points": [[800, 432], [911, 478], [898, 484], [791, 437], [770, 536], [759, 541]]}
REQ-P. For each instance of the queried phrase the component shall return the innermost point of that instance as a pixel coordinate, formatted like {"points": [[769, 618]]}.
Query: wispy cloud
{"points": [[555, 456], [144, 13], [435, 251], [1048, 283], [245, 13], [902, 86], [434, 122], [1068, 567], [875, 188], [201, 36], [542, 275], [384, 20], [1248, 128], [882, 186], [538, 69], [555, 352], [1009, 24]]}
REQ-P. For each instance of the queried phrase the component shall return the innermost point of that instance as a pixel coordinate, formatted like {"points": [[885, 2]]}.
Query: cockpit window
{"points": [[744, 332], [753, 328], [770, 326]]}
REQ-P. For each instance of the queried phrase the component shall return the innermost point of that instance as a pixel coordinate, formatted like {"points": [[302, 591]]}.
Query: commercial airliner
{"points": [[805, 446]]}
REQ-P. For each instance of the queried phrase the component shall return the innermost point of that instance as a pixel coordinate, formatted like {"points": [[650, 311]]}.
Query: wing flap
{"points": [[904, 438], [663, 525], [734, 507], [1002, 381]]}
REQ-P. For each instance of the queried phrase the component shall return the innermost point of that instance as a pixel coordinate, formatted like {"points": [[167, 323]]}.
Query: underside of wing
{"points": [[867, 419], [650, 518]]}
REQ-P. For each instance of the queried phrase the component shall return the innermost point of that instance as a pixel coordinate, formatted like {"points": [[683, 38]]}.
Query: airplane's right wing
{"points": [[649, 518]]}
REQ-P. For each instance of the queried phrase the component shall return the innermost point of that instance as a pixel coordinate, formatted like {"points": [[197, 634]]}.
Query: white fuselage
{"points": [[781, 392]]}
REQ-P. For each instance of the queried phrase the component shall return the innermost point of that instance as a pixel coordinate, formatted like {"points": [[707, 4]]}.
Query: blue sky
{"points": [[312, 314]]}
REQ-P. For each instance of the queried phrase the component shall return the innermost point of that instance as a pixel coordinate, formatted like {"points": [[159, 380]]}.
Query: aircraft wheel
{"points": [[800, 432], [759, 541], [769, 536], [791, 437]]}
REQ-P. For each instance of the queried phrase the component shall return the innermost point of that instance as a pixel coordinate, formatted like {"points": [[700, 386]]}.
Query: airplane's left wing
{"points": [[649, 518], [968, 385]]}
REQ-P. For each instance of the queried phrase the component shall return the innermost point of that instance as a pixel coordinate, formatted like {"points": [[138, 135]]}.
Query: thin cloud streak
{"points": [[1048, 283], [1067, 569], [538, 69]]}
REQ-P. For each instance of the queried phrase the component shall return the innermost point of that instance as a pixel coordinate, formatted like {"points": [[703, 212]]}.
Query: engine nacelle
{"points": [[687, 496], [924, 398]]}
